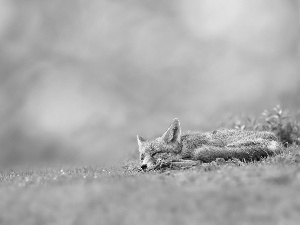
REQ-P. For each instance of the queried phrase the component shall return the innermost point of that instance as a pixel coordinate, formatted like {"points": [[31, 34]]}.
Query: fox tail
{"points": [[247, 151]]}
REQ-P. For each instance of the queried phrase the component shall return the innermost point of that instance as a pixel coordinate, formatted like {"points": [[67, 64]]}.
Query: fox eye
{"points": [[142, 156], [153, 154]]}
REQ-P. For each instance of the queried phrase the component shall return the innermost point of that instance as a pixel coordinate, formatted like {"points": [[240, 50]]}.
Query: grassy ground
{"points": [[265, 192]]}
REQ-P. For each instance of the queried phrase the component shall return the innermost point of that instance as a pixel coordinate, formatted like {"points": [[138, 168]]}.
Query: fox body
{"points": [[174, 146]]}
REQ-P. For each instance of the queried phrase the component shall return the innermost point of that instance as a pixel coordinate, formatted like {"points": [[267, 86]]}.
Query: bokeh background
{"points": [[80, 79]]}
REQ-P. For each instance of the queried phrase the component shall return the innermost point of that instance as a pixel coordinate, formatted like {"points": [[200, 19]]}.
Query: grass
{"points": [[232, 192], [277, 120]]}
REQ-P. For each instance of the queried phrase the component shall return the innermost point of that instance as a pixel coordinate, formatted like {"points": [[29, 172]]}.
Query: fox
{"points": [[205, 147]]}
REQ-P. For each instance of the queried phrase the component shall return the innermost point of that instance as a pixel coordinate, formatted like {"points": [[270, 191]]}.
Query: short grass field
{"points": [[233, 192], [221, 192]]}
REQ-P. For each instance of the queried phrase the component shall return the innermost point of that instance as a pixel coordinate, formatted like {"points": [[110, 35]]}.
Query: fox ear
{"points": [[140, 140], [173, 133]]}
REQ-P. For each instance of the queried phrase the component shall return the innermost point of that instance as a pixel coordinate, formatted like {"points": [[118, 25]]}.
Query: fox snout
{"points": [[147, 163], [144, 166]]}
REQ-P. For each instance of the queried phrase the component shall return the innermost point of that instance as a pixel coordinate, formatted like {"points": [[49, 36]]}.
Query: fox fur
{"points": [[173, 146]]}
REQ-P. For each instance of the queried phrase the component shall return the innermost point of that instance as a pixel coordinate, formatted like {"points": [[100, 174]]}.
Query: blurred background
{"points": [[80, 79]]}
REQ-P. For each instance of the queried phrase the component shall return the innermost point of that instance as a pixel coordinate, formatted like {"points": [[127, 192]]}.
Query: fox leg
{"points": [[185, 163], [176, 163]]}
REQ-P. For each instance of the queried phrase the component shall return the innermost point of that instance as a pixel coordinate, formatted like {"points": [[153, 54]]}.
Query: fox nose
{"points": [[144, 166]]}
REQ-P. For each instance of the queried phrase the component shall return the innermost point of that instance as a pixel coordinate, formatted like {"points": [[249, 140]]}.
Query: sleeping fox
{"points": [[173, 146]]}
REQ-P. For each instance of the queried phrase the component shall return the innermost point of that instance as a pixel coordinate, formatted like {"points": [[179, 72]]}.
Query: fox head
{"points": [[151, 152]]}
